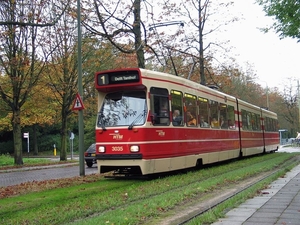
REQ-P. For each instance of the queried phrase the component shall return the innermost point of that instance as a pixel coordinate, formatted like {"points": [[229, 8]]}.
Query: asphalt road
{"points": [[18, 176]]}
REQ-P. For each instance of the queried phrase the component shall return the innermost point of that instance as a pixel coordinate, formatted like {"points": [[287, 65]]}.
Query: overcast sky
{"points": [[273, 59]]}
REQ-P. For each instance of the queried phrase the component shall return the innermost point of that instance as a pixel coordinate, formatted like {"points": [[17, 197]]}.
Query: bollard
{"points": [[54, 150]]}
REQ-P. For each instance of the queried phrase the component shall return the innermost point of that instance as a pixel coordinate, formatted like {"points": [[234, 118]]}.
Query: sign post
{"points": [[71, 144], [78, 104], [26, 135]]}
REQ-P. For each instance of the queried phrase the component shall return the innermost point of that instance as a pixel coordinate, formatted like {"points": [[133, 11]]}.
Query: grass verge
{"points": [[7, 162], [129, 202]]}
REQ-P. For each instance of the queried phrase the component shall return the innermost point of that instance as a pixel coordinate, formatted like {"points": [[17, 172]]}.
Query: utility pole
{"points": [[80, 90], [298, 106], [267, 93]]}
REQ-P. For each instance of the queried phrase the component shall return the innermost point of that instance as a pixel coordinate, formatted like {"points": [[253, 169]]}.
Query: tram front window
{"points": [[123, 109]]}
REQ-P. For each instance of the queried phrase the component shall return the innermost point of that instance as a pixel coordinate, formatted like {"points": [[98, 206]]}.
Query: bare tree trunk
{"points": [[63, 147], [64, 134], [35, 144], [17, 133], [137, 32]]}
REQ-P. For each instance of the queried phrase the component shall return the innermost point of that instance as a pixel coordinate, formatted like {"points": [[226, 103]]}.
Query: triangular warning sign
{"points": [[78, 105]]}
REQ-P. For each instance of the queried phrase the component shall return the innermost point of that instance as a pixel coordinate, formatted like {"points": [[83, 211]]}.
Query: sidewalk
{"points": [[279, 204]]}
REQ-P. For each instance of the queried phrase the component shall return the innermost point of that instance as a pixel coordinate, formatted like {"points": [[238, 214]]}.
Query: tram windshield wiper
{"points": [[138, 119], [101, 121]]}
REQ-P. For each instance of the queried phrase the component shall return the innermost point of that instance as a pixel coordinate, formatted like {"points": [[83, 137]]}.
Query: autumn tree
{"points": [[21, 58], [40, 109], [232, 80], [120, 23], [199, 20], [286, 24], [63, 70], [286, 15], [289, 102]]}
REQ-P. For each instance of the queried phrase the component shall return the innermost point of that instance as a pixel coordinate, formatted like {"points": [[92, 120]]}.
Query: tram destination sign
{"points": [[118, 78]]}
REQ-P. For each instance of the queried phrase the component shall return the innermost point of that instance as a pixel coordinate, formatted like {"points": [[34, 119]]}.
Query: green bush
{"points": [[46, 142], [7, 147]]}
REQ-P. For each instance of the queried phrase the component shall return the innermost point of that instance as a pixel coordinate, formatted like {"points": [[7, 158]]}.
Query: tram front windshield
{"points": [[126, 108]]}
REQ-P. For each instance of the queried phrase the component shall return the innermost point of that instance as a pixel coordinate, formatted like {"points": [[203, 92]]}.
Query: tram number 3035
{"points": [[117, 148]]}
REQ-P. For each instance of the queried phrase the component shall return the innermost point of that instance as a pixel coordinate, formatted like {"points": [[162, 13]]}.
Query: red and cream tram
{"points": [[137, 132]]}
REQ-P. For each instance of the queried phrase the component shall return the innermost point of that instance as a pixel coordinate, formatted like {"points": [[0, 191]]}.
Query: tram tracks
{"points": [[217, 198], [195, 192], [175, 199]]}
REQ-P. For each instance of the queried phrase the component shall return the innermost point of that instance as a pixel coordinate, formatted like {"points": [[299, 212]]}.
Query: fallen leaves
{"points": [[36, 186]]}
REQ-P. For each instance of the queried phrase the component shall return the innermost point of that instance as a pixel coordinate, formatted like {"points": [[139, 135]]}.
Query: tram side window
{"points": [[191, 109], [250, 120], [245, 120], [203, 112], [160, 110], [255, 124], [214, 114], [177, 106], [223, 116], [275, 125], [267, 124], [257, 118], [231, 118], [270, 124]]}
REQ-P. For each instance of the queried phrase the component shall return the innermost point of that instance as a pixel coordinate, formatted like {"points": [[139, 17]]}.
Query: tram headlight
{"points": [[134, 148], [101, 149]]}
